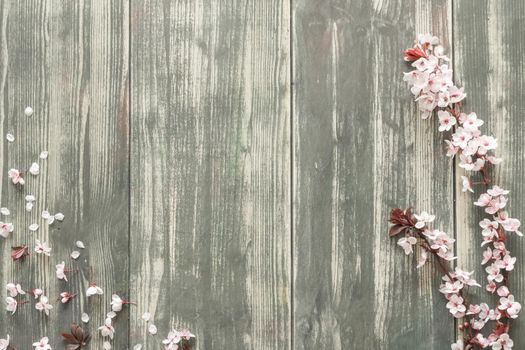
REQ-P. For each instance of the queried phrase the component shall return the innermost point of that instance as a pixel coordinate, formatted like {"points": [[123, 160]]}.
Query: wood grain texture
{"points": [[489, 49], [210, 171], [69, 61], [360, 149]]}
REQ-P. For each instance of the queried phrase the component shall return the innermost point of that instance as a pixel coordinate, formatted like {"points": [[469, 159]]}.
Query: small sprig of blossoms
{"points": [[432, 85]]}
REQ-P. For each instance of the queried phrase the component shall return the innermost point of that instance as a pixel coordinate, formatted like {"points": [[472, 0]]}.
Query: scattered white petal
{"points": [[146, 316], [111, 314], [50, 220], [59, 216], [4, 211], [152, 329], [85, 317], [31, 198], [29, 206], [75, 254], [45, 214], [107, 345], [33, 227], [10, 137], [44, 154], [28, 111], [137, 347], [34, 169], [80, 244]]}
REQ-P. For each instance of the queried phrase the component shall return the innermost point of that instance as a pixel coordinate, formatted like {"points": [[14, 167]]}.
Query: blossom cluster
{"points": [[431, 83]]}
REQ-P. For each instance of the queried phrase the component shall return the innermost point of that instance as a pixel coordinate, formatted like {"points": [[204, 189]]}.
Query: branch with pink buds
{"points": [[435, 92]]}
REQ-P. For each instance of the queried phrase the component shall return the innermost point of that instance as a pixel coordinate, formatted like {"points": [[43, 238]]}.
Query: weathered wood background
{"points": [[230, 164]]}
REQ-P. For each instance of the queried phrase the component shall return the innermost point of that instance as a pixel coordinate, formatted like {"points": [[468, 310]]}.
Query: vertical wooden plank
{"points": [[210, 171], [360, 149], [69, 61], [489, 50]]}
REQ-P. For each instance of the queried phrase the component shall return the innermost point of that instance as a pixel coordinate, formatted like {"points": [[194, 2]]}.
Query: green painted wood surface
{"points": [[69, 61], [360, 149], [489, 50], [230, 165], [210, 170]]}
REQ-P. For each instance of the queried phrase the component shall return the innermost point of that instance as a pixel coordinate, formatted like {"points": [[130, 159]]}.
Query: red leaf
{"points": [[395, 230], [19, 252]]}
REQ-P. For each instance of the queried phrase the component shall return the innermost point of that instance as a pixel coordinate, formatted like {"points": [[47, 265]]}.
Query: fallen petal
{"points": [[34, 169], [152, 329], [28, 111]]}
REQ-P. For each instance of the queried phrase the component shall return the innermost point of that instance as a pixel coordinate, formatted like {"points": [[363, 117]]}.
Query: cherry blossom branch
{"points": [[435, 92]]}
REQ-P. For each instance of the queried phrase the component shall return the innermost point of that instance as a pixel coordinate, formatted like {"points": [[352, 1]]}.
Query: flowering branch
{"points": [[434, 90]]}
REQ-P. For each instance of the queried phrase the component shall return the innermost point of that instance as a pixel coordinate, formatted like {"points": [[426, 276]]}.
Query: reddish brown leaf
{"points": [[395, 230], [77, 338], [20, 252]]}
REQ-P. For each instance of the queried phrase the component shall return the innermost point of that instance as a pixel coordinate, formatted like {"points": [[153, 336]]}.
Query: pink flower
{"points": [[11, 304], [507, 263], [487, 256], [107, 329], [61, 272], [14, 289], [496, 204], [42, 344], [465, 277], [406, 243], [496, 191], [446, 120], [451, 287], [172, 340], [489, 228], [455, 306], [494, 273], [423, 219], [511, 225], [65, 297], [483, 200], [427, 40], [503, 291], [512, 307], [93, 290], [503, 343], [471, 122], [461, 137], [42, 248], [16, 176], [455, 94], [487, 143], [491, 287], [43, 305], [6, 228], [37, 292]]}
